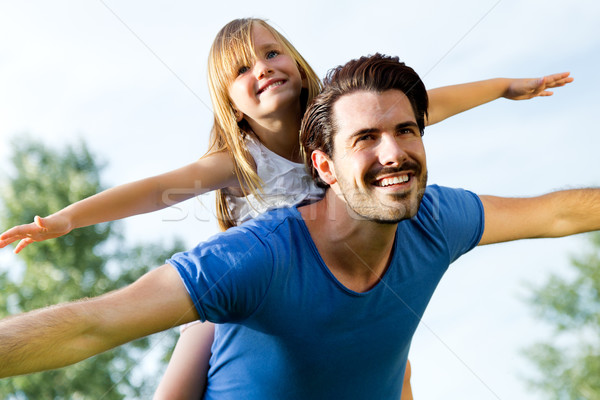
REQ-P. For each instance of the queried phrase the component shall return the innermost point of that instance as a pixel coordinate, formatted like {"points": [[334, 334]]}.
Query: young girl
{"points": [[260, 86]]}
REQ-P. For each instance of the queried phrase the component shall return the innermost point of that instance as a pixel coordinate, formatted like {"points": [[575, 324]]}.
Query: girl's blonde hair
{"points": [[233, 47]]}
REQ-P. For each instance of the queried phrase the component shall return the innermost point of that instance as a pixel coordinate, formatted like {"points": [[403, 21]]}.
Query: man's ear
{"points": [[324, 166]]}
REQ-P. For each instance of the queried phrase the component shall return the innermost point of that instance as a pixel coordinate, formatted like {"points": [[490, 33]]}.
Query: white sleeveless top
{"points": [[285, 183]]}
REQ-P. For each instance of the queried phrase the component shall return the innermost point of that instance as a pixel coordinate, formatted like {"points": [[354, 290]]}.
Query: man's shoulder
{"points": [[271, 220], [445, 205], [439, 190], [273, 226], [454, 214], [254, 240], [254, 230], [443, 196]]}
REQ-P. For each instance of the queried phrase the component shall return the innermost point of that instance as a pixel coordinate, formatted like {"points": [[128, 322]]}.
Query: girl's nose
{"points": [[262, 69]]}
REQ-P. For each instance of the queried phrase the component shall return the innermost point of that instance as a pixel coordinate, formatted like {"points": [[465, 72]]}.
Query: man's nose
{"points": [[390, 150]]}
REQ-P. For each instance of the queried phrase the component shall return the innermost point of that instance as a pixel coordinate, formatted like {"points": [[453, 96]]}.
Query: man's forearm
{"points": [[555, 214], [577, 211], [45, 339], [65, 334]]}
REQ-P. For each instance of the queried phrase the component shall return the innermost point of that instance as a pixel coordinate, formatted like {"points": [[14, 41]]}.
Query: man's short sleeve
{"points": [[226, 276], [460, 215]]}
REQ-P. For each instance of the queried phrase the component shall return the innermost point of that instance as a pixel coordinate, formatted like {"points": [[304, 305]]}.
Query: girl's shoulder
{"points": [[283, 183], [270, 164]]}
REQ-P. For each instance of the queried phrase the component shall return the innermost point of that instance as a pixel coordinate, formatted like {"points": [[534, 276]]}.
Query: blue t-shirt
{"points": [[288, 329]]}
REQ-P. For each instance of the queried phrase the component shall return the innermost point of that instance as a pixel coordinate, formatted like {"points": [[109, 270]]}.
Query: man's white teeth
{"points": [[393, 181], [272, 85]]}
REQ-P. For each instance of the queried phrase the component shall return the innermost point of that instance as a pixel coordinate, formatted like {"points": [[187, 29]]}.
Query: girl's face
{"points": [[271, 86]]}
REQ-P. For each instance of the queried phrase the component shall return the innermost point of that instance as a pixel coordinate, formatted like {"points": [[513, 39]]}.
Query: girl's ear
{"points": [[324, 166], [304, 78], [239, 116]]}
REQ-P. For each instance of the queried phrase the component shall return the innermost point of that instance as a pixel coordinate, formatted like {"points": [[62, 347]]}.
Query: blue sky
{"points": [[129, 78]]}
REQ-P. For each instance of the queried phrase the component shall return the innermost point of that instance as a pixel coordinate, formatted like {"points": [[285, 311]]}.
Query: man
{"points": [[322, 300]]}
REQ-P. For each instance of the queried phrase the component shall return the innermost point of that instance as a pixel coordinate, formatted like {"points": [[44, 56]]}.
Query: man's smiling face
{"points": [[378, 158]]}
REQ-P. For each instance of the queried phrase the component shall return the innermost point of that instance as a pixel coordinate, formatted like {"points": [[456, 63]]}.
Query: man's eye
{"points": [[364, 137], [406, 131]]}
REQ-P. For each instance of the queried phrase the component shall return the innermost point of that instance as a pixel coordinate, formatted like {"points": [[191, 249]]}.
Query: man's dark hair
{"points": [[376, 73]]}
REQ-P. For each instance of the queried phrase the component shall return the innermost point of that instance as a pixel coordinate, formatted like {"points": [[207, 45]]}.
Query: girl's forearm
{"points": [[447, 101], [152, 194], [120, 202]]}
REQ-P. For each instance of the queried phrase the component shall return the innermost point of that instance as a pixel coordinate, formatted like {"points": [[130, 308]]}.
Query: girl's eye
{"points": [[272, 54], [242, 70]]}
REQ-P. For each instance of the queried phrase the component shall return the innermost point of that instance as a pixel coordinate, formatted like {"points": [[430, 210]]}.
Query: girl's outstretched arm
{"points": [[447, 101], [211, 172]]}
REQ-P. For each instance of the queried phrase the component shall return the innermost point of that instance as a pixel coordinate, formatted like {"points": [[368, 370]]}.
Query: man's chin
{"points": [[386, 214], [384, 208], [388, 221], [399, 215], [401, 207]]}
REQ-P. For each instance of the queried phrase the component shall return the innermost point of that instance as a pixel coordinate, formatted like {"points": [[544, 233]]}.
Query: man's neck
{"points": [[356, 251]]}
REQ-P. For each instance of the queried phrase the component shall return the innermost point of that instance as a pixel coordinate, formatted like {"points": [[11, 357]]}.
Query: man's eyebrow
{"points": [[398, 127], [407, 124], [363, 131]]}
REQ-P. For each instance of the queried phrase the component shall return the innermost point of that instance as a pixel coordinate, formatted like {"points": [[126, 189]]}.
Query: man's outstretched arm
{"points": [[555, 214], [61, 335]]}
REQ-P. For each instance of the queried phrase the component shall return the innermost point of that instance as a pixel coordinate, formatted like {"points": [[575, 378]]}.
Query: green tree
{"points": [[569, 363], [87, 262]]}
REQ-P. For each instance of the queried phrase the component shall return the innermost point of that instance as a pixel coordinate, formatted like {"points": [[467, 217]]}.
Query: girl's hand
{"points": [[523, 89], [40, 229]]}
